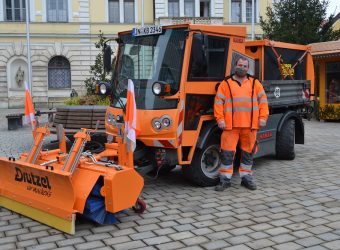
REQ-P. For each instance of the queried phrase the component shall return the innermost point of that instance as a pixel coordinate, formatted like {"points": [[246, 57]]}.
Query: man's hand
{"points": [[221, 124], [262, 123]]}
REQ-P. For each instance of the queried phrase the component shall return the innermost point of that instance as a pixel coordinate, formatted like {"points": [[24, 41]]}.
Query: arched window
{"points": [[59, 73]]}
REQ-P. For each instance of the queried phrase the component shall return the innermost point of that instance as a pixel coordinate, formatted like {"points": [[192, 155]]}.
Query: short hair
{"points": [[243, 59]]}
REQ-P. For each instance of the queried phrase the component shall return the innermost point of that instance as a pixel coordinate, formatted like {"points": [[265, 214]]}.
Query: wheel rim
{"points": [[210, 161]]}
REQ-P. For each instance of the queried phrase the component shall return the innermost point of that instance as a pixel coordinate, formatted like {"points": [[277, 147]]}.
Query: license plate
{"points": [[145, 31]]}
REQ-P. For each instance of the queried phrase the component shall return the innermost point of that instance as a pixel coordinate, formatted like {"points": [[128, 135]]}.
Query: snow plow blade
{"points": [[39, 193]]}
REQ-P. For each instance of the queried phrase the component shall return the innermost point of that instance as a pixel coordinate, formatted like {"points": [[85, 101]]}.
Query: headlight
{"points": [[156, 88], [157, 124], [110, 119], [102, 89], [166, 122]]}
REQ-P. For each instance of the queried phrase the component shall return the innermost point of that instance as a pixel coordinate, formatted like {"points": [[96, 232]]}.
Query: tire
{"points": [[285, 141], [203, 170]]}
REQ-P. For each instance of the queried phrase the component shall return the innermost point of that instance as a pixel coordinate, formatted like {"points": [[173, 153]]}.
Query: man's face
{"points": [[243, 64], [241, 68]]}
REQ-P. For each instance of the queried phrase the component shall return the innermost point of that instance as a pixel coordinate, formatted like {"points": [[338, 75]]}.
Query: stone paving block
{"points": [[197, 240], [34, 235], [181, 235], [261, 227], [89, 245], [99, 236], [148, 227], [258, 235], [259, 244], [202, 231], [116, 240], [40, 227], [27, 243], [192, 248], [130, 245], [185, 227], [218, 244], [142, 235], [66, 248], [288, 245], [5, 240], [52, 238], [332, 244], [334, 225], [104, 229], [45, 246], [8, 246], [237, 240], [218, 235], [165, 231], [238, 247], [319, 229], [282, 238], [171, 245], [72, 241], [316, 248], [309, 241], [329, 236], [157, 240], [103, 248], [10, 227], [277, 231]]}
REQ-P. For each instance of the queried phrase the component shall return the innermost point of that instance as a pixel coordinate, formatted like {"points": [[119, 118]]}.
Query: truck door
{"points": [[207, 67]]}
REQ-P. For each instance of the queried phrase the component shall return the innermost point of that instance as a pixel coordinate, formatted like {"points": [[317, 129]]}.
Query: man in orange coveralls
{"points": [[240, 108]]}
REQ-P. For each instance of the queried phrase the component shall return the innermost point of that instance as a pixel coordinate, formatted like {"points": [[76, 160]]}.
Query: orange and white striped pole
{"points": [[131, 125], [29, 108]]}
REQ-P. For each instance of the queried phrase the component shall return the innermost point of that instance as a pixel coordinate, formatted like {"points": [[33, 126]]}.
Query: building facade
{"points": [[63, 33]]}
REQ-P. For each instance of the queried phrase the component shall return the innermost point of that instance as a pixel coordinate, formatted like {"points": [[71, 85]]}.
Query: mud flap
{"points": [[42, 194]]}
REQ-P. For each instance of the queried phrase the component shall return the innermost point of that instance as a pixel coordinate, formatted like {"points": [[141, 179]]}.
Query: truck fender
{"points": [[299, 127], [208, 128]]}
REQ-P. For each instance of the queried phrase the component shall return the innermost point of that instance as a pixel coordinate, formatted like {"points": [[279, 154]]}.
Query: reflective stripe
{"points": [[260, 94], [225, 167], [245, 168], [263, 100], [240, 109], [218, 102], [221, 96], [244, 99]]}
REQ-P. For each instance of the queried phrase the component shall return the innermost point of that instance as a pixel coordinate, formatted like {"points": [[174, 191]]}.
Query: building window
{"points": [[114, 11], [129, 11], [236, 14], [57, 10], [15, 10], [204, 8], [249, 10], [59, 73], [173, 8], [189, 8], [333, 82], [208, 58]]}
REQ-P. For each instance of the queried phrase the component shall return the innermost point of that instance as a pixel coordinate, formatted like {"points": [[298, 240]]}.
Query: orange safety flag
{"points": [[29, 109], [131, 128]]}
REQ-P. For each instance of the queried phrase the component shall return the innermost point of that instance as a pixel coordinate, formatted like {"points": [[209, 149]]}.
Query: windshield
{"points": [[146, 59]]}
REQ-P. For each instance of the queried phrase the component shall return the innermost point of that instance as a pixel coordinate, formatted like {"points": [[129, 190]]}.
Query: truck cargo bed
{"points": [[287, 93]]}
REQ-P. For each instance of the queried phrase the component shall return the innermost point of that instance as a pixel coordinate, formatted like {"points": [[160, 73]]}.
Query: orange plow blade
{"points": [[42, 194]]}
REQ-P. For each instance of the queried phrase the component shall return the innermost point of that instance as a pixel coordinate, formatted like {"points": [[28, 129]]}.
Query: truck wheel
{"points": [[285, 141], [203, 170]]}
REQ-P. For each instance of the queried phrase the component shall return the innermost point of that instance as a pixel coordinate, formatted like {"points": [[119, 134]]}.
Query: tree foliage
{"points": [[299, 21], [97, 70]]}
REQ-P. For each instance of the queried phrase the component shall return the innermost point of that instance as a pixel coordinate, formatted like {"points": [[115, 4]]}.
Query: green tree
{"points": [[97, 70], [299, 21]]}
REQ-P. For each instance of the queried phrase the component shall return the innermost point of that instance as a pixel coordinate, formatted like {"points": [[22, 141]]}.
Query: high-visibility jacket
{"points": [[241, 105]]}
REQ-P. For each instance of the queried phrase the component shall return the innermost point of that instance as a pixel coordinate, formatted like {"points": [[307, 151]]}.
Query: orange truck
{"points": [[176, 71]]}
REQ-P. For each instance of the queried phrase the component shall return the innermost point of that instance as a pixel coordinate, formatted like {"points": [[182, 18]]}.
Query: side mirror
{"points": [[104, 88], [160, 88], [107, 58]]}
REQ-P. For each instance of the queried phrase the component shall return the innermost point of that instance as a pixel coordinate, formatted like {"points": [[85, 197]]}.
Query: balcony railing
{"points": [[194, 20]]}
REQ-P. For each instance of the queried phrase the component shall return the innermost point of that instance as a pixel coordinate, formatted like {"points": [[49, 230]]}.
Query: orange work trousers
{"points": [[229, 140]]}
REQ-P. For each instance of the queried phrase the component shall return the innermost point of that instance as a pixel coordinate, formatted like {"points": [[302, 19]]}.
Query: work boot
{"points": [[248, 182], [224, 183]]}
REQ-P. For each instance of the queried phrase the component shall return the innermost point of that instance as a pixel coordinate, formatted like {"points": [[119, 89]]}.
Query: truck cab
{"points": [[176, 71]]}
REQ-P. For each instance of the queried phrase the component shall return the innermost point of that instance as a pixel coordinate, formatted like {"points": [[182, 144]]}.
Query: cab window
{"points": [[208, 58]]}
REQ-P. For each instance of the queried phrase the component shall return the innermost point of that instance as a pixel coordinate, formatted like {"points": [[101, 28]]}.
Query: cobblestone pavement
{"points": [[296, 206]]}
